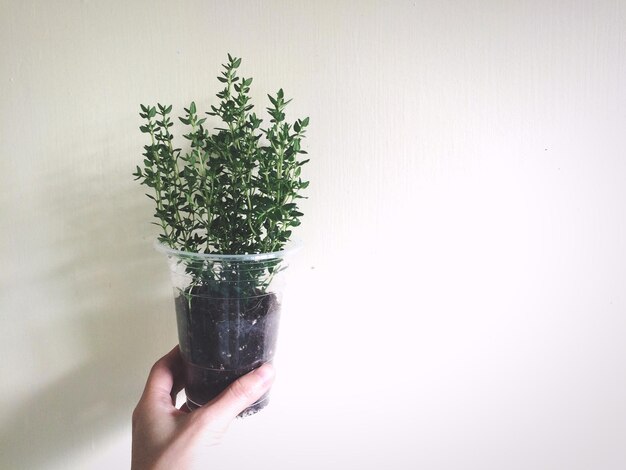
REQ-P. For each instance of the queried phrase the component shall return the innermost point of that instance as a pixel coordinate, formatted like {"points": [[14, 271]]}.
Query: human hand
{"points": [[165, 437]]}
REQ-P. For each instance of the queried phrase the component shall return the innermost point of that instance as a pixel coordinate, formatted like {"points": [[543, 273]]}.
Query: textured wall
{"points": [[461, 301]]}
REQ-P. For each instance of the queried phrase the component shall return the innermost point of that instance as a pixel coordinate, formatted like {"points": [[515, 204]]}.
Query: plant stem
{"points": [[158, 185]]}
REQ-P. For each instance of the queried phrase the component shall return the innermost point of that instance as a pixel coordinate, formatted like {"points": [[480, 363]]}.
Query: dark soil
{"points": [[222, 339]]}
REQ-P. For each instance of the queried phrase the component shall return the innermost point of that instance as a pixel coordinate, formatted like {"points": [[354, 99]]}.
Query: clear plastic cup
{"points": [[227, 310]]}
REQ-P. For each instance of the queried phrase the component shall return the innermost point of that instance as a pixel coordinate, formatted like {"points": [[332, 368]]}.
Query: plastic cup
{"points": [[228, 310]]}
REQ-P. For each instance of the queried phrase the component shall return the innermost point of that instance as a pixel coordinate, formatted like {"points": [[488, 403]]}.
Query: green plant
{"points": [[233, 190]]}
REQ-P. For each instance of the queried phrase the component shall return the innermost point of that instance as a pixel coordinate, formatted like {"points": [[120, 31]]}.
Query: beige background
{"points": [[461, 301]]}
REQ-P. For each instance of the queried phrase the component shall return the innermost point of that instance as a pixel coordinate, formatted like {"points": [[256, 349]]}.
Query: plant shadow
{"points": [[119, 321]]}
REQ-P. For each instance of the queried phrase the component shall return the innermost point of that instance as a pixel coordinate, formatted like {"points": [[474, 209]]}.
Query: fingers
{"points": [[237, 397], [165, 379]]}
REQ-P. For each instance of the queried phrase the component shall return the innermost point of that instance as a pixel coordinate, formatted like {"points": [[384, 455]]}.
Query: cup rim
{"points": [[290, 248]]}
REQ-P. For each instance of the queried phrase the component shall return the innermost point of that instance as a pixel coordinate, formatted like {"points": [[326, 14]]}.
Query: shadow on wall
{"points": [[120, 317]]}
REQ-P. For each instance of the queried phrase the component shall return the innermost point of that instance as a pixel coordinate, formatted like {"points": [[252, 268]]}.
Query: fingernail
{"points": [[265, 373]]}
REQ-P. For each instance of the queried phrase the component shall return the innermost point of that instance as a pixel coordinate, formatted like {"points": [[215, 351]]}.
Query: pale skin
{"points": [[165, 437]]}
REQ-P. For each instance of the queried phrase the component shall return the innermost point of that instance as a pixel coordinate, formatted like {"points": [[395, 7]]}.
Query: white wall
{"points": [[461, 303]]}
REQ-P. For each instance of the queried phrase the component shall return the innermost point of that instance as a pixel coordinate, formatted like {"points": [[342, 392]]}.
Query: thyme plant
{"points": [[234, 189]]}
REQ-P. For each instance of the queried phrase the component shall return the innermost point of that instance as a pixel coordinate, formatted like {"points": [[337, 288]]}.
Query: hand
{"points": [[165, 437]]}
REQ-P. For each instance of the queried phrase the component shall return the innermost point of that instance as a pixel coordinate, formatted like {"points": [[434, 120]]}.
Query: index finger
{"points": [[165, 379]]}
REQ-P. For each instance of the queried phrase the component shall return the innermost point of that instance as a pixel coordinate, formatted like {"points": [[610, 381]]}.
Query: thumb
{"points": [[237, 397]]}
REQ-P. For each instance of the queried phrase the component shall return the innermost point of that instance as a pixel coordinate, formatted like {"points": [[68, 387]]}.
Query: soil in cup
{"points": [[222, 339]]}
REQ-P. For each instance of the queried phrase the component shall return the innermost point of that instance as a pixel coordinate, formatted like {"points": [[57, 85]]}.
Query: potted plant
{"points": [[226, 207]]}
